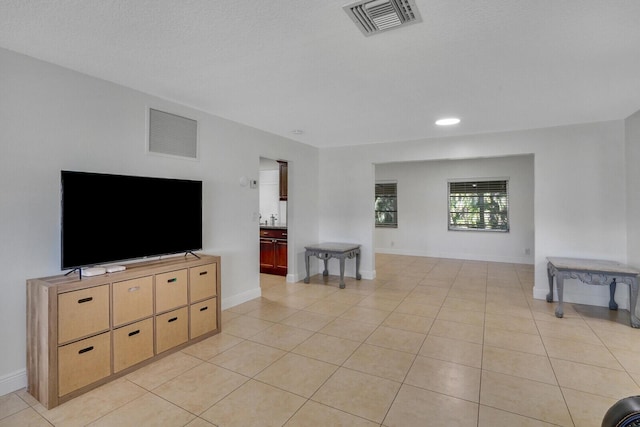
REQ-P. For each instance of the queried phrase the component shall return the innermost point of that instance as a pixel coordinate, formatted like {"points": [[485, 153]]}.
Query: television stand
{"points": [[192, 253]]}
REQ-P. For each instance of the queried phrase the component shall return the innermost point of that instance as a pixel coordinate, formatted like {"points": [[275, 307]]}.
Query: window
{"points": [[479, 205], [386, 207]]}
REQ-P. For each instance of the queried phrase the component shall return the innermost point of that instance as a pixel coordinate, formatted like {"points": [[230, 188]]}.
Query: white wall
{"points": [[52, 118], [423, 207], [632, 125], [579, 194]]}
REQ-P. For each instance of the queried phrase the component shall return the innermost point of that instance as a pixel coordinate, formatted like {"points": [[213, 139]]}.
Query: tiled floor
{"points": [[430, 342]]}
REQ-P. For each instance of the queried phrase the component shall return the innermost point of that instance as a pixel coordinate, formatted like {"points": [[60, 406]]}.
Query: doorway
{"points": [[273, 189]]}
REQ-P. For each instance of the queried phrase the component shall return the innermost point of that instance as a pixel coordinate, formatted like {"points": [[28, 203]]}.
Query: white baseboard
{"points": [[240, 298], [12, 382], [456, 255]]}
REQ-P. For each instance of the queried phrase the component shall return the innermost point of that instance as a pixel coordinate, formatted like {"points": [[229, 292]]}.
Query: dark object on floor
{"points": [[624, 413]]}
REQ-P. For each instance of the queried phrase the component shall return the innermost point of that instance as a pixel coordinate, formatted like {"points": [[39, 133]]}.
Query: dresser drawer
{"points": [[132, 344], [276, 233], [202, 282], [132, 300], [171, 290], [82, 313], [84, 362], [172, 329], [203, 318]]}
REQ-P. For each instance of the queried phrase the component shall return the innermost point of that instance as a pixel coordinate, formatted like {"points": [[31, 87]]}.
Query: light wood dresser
{"points": [[82, 333]]}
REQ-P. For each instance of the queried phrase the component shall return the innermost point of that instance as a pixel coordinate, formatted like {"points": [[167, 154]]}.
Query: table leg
{"points": [[326, 262], [306, 263], [550, 275], [612, 292], [633, 299], [358, 276], [341, 272], [560, 288]]}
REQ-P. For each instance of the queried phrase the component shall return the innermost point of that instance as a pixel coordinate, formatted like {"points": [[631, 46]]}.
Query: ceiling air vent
{"points": [[372, 17]]}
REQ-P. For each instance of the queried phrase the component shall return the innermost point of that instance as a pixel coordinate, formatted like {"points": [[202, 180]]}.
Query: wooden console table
{"points": [[324, 251], [594, 272]]}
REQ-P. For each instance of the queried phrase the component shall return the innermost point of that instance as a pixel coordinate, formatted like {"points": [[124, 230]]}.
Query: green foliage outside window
{"points": [[480, 205]]}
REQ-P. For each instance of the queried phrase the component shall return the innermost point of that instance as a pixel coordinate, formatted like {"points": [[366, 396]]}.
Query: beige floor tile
{"points": [[98, 402], [467, 293], [594, 379], [388, 293], [348, 298], [408, 322], [198, 389], [272, 312], [316, 414], [248, 358], [510, 323], [627, 340], [254, 404], [383, 362], [365, 315], [163, 370], [418, 407], [525, 365], [463, 305], [587, 410], [588, 354], [492, 417], [445, 377], [205, 350], [568, 328], [525, 397], [11, 404], [246, 326], [360, 394], [297, 374], [436, 283], [424, 310], [502, 338], [281, 336], [329, 308], [319, 289], [228, 315], [628, 359], [248, 306], [456, 330], [308, 320], [199, 422], [327, 348], [29, 399], [379, 303], [294, 301], [450, 350], [469, 317], [396, 339], [146, 410], [27, 417], [349, 329]]}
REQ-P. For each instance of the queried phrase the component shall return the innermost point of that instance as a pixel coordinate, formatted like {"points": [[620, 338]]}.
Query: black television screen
{"points": [[107, 218]]}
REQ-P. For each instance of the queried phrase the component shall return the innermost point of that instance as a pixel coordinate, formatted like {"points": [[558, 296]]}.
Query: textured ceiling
{"points": [[302, 64]]}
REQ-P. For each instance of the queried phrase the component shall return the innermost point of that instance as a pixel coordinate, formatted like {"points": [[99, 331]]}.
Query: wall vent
{"points": [[372, 17], [172, 134]]}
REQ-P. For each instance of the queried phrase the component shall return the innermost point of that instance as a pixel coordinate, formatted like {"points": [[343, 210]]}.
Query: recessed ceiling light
{"points": [[448, 121]]}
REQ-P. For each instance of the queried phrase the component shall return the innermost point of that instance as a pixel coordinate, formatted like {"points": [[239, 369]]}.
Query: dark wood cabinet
{"points": [[284, 180], [273, 251]]}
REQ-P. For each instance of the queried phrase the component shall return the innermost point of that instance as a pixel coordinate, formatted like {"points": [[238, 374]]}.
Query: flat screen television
{"points": [[107, 218]]}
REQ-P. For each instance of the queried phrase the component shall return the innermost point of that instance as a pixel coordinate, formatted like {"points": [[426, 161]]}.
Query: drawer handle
{"points": [[134, 333], [265, 233], [87, 299], [202, 273], [173, 319], [135, 288], [84, 350], [204, 308], [172, 280], [284, 234]]}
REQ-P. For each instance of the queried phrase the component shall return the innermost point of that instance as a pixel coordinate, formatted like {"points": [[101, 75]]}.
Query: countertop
{"points": [[273, 227]]}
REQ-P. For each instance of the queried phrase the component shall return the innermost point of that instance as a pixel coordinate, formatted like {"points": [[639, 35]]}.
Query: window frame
{"points": [[377, 194], [487, 183]]}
